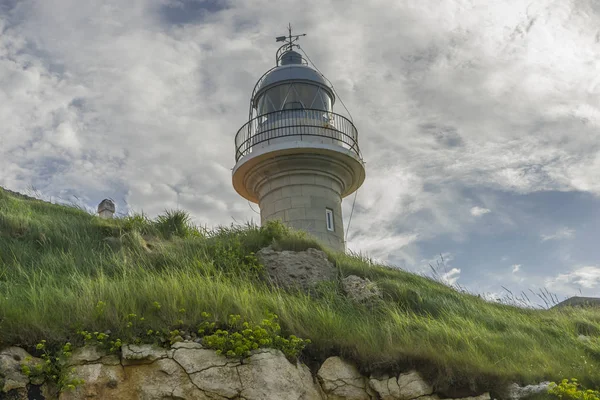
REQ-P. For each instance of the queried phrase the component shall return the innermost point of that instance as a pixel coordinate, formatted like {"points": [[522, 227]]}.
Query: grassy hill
{"points": [[63, 270]]}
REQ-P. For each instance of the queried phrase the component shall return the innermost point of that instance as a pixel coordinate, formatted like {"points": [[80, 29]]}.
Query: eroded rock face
{"points": [[12, 377], [270, 376], [297, 270], [188, 371], [342, 380], [132, 354], [361, 290]]}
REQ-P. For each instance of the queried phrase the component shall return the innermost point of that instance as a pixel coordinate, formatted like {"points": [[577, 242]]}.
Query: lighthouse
{"points": [[295, 157]]}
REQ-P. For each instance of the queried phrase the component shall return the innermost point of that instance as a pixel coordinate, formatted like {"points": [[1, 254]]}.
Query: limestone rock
{"points": [[210, 372], [162, 379], [297, 270], [186, 345], [222, 381], [361, 290], [516, 392], [142, 353], [86, 355], [11, 375], [411, 386], [387, 388], [342, 380], [268, 375], [100, 381], [197, 360]]}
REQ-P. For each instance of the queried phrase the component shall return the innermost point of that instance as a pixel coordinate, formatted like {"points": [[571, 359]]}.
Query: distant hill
{"points": [[577, 301]]}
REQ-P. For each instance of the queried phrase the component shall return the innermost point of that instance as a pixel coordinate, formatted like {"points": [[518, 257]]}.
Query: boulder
{"points": [[297, 270], [269, 375], [516, 392], [361, 290], [387, 388], [411, 386], [342, 380], [12, 377]]}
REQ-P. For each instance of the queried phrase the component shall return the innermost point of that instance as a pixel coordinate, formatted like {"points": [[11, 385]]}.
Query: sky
{"points": [[479, 121]]}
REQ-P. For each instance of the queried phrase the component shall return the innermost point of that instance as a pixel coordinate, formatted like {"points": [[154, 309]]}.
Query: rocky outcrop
{"points": [[411, 386], [12, 377], [406, 386], [297, 270], [342, 380], [361, 290], [189, 371]]}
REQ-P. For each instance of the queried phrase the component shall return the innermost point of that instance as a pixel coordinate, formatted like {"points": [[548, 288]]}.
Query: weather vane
{"points": [[290, 39]]}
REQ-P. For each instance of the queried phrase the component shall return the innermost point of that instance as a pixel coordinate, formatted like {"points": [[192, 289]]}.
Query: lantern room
{"points": [[292, 85]]}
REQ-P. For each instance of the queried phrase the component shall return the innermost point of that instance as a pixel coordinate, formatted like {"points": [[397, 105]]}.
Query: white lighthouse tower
{"points": [[295, 157]]}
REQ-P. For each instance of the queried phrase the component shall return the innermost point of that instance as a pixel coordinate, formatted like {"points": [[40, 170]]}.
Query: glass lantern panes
{"points": [[293, 96]]}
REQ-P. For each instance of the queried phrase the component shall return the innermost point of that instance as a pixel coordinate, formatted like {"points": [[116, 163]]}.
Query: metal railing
{"points": [[305, 124]]}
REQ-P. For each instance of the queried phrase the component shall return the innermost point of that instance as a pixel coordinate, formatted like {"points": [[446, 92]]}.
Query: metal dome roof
{"points": [[292, 69]]}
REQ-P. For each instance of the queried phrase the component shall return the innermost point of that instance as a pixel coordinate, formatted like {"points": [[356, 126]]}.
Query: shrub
{"points": [[274, 230], [53, 368], [242, 337], [137, 222], [175, 223], [571, 390]]}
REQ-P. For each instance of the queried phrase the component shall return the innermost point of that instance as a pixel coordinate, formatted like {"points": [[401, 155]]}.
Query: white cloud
{"points": [[580, 278], [561, 234], [479, 211], [440, 268], [451, 277], [144, 111], [516, 268]]}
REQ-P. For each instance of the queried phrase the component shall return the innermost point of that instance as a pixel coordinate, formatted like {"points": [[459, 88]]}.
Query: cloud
{"points": [[586, 277], [140, 101], [561, 234], [451, 277], [516, 268], [479, 211], [439, 267]]}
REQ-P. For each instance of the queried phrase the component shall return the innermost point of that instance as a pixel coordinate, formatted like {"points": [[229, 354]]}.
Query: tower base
{"points": [[302, 184]]}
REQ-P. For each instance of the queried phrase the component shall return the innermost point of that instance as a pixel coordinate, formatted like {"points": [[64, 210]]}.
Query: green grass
{"points": [[57, 262]]}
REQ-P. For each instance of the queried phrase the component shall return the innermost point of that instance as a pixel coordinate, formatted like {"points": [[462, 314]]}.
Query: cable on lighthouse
{"points": [[351, 212], [324, 77]]}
